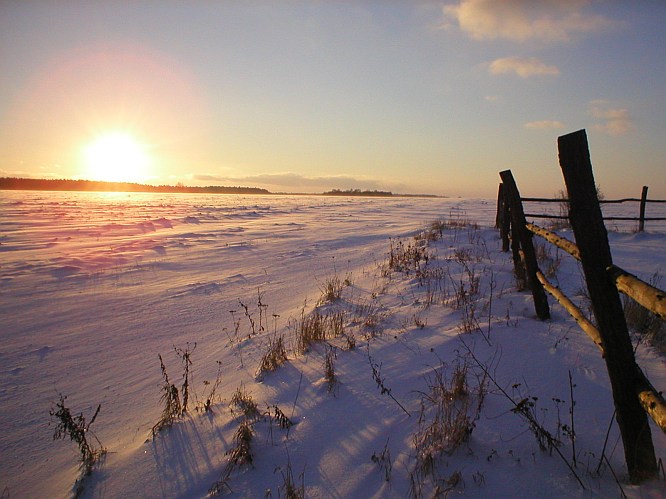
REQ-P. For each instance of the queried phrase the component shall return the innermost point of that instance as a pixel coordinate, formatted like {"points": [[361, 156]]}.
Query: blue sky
{"points": [[306, 96]]}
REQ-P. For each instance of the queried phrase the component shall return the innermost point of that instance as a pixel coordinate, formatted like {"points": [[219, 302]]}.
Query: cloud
{"points": [[615, 121], [544, 125], [522, 66], [522, 20]]}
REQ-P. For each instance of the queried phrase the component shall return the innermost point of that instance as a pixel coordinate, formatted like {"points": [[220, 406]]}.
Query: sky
{"points": [[307, 96]]}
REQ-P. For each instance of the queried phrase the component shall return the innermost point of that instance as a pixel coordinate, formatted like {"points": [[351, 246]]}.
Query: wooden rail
{"points": [[648, 296], [634, 396], [643, 200]]}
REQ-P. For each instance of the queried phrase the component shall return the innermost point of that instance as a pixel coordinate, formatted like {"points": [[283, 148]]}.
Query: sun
{"points": [[116, 157]]}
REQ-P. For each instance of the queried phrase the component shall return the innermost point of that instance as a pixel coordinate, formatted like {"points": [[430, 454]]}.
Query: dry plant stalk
{"points": [[245, 403], [316, 327], [77, 429], [449, 410], [329, 368], [383, 460], [239, 455], [331, 290], [170, 401], [289, 487], [275, 356]]}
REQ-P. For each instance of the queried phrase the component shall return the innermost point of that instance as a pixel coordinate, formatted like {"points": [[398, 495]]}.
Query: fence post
{"points": [[641, 217], [592, 241], [498, 215], [524, 237], [503, 217], [506, 224]]}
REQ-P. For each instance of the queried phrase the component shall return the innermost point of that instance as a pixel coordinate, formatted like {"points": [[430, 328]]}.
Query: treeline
{"points": [[357, 192], [34, 184]]}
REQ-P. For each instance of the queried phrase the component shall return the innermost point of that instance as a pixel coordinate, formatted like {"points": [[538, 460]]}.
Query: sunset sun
{"points": [[116, 157]]}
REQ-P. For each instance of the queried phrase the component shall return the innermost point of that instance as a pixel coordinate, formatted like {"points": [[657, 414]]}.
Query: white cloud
{"points": [[522, 66], [615, 120], [521, 20], [544, 125]]}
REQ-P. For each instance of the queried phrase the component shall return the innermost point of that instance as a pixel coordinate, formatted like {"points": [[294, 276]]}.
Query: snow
{"points": [[94, 286]]}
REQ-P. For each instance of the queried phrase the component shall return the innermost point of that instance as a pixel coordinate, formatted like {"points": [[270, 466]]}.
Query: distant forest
{"points": [[32, 184], [357, 192], [42, 184]]}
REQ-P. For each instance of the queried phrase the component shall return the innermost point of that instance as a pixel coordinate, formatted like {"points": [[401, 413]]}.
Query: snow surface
{"points": [[94, 286]]}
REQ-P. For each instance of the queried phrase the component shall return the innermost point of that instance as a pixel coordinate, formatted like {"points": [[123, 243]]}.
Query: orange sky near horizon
{"points": [[148, 100]]}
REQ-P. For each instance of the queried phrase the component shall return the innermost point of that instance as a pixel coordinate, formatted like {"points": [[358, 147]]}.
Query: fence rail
{"points": [[634, 396], [641, 219], [645, 294]]}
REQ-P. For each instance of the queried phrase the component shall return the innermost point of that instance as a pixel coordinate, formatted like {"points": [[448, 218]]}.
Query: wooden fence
{"points": [[634, 396], [641, 219]]}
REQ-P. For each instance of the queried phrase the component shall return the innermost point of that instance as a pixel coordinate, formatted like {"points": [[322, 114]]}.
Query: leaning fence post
{"points": [[641, 217], [524, 236], [503, 221], [498, 215], [592, 240]]}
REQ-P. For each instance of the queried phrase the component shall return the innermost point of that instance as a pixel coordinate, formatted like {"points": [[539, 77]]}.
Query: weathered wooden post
{"points": [[500, 201], [518, 264], [522, 235], [592, 241], [641, 217], [505, 220]]}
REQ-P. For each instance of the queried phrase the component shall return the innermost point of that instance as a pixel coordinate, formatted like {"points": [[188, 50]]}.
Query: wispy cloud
{"points": [[615, 120], [522, 66], [522, 20], [544, 125]]}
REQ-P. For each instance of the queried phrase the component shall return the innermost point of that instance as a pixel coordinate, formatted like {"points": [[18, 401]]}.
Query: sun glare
{"points": [[116, 157]]}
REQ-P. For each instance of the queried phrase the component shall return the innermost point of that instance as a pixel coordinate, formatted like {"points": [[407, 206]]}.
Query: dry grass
{"points": [[383, 461], [239, 455], [77, 430], [244, 402], [170, 400], [210, 398], [407, 257], [317, 327], [309, 330], [642, 321], [290, 489], [434, 280], [449, 410], [331, 290], [369, 317], [329, 368], [549, 258], [275, 356], [280, 418]]}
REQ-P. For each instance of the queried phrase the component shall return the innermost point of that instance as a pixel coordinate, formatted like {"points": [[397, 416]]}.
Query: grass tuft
{"points": [[329, 368], [449, 410], [244, 402], [642, 321], [77, 429], [239, 455], [275, 356], [170, 400]]}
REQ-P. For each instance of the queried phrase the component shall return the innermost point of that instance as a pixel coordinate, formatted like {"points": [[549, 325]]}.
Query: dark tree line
{"points": [[11, 183], [357, 192]]}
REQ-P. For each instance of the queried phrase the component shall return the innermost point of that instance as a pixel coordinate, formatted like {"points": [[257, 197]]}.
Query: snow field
{"points": [[93, 289]]}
